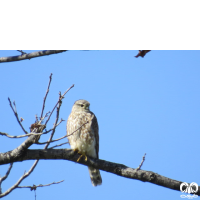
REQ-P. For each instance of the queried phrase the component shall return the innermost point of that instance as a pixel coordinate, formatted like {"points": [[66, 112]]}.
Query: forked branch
{"points": [[34, 187], [16, 114], [33, 137]]}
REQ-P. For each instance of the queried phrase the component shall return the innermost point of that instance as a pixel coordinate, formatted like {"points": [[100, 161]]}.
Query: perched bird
{"points": [[85, 140]]}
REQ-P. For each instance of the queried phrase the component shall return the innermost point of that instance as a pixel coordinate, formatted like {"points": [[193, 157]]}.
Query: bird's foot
{"points": [[75, 150], [82, 156]]}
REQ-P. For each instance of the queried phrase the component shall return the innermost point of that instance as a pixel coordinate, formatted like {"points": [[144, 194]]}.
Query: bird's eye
{"points": [[82, 105]]}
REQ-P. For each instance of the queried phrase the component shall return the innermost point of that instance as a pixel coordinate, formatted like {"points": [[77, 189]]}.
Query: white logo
{"points": [[185, 187]]}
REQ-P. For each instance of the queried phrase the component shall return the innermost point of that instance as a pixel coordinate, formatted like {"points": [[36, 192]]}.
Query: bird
{"points": [[83, 135]]}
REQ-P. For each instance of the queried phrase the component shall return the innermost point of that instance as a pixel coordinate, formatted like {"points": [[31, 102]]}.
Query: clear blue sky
{"points": [[143, 105]]}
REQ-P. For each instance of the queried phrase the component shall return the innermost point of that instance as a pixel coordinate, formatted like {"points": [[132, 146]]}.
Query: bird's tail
{"points": [[95, 176]]}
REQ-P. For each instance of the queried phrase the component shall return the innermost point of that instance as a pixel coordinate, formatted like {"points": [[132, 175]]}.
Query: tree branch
{"points": [[20, 150], [34, 187], [20, 180], [36, 134], [115, 168], [22, 52], [58, 145], [60, 98], [143, 159], [43, 106], [30, 55], [6, 175], [33, 137], [21, 136], [51, 140], [58, 138], [56, 121], [16, 115]]}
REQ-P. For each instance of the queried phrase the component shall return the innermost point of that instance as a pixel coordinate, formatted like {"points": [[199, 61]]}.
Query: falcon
{"points": [[83, 135]]}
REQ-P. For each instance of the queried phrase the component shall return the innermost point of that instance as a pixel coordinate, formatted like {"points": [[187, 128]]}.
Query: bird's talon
{"points": [[79, 158], [75, 150]]}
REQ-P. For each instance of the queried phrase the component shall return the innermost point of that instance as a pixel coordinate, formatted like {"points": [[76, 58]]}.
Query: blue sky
{"points": [[143, 105]]}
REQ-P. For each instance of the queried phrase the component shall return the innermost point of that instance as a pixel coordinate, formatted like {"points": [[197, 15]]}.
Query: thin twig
{"points": [[16, 185], [143, 159], [25, 174], [58, 102], [34, 187], [6, 175], [16, 115], [48, 131], [57, 117], [43, 106], [77, 129], [59, 145], [21, 136], [22, 52], [46, 115], [55, 126], [63, 137], [52, 140], [29, 134], [34, 165], [20, 180]]}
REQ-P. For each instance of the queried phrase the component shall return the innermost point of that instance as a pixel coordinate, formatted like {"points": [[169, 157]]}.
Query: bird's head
{"points": [[81, 106]]}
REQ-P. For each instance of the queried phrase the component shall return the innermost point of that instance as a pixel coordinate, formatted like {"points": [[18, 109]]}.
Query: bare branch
{"points": [[6, 175], [61, 120], [20, 180], [50, 78], [32, 133], [30, 55], [58, 102], [61, 137], [16, 115], [34, 128], [21, 136], [57, 117], [77, 129], [22, 52], [111, 167], [16, 185], [18, 152], [53, 140], [34, 187], [143, 159], [36, 131], [58, 145], [21, 149]]}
